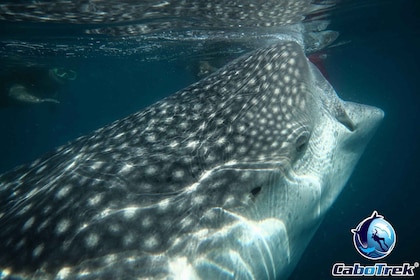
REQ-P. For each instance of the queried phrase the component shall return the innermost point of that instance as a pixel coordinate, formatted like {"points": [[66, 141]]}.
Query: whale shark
{"points": [[228, 178]]}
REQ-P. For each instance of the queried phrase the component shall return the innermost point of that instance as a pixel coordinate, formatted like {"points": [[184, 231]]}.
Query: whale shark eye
{"points": [[301, 143]]}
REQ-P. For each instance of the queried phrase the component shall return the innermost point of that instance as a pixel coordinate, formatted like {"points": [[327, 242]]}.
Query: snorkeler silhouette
{"points": [[32, 84], [379, 239]]}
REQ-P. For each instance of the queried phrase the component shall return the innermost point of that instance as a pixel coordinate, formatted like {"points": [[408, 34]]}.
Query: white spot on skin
{"points": [[183, 125], [229, 201], [127, 167], [32, 192], [169, 120], [62, 226], [146, 222], [164, 204], [192, 144], [118, 135], [20, 244], [289, 101], [95, 199], [242, 127], [250, 115], [106, 212], [180, 266], [174, 144], [151, 242], [130, 212], [92, 240], [282, 99], [199, 199], [24, 209], [109, 259], [114, 228], [229, 148], [197, 107], [297, 73], [35, 163], [221, 140], [63, 273], [94, 147], [145, 186], [240, 139], [211, 158], [274, 144], [151, 138], [186, 222], [97, 165], [166, 223], [179, 174], [82, 227], [292, 61], [42, 168], [71, 165], [63, 191], [302, 104], [151, 170], [43, 225], [242, 150], [28, 223], [202, 126], [38, 250], [128, 239], [186, 160], [285, 54]]}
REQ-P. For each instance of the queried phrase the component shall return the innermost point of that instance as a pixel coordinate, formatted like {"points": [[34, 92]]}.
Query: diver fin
{"points": [[50, 100]]}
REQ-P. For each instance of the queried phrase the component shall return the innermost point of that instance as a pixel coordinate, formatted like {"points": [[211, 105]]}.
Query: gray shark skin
{"points": [[226, 179]]}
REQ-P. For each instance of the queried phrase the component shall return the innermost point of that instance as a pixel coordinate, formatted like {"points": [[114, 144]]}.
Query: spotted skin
{"points": [[163, 192]]}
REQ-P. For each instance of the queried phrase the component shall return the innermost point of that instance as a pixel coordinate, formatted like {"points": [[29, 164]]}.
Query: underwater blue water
{"points": [[379, 66]]}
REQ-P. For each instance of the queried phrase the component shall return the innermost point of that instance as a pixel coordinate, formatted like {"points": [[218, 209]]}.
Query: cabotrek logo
{"points": [[374, 238]]}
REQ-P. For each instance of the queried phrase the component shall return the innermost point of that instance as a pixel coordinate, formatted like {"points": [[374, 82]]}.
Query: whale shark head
{"points": [[228, 178]]}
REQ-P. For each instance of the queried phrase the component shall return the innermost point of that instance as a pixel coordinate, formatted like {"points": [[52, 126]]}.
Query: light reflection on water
{"points": [[155, 30]]}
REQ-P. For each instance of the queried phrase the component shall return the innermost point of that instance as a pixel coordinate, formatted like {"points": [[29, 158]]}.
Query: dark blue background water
{"points": [[380, 67]]}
